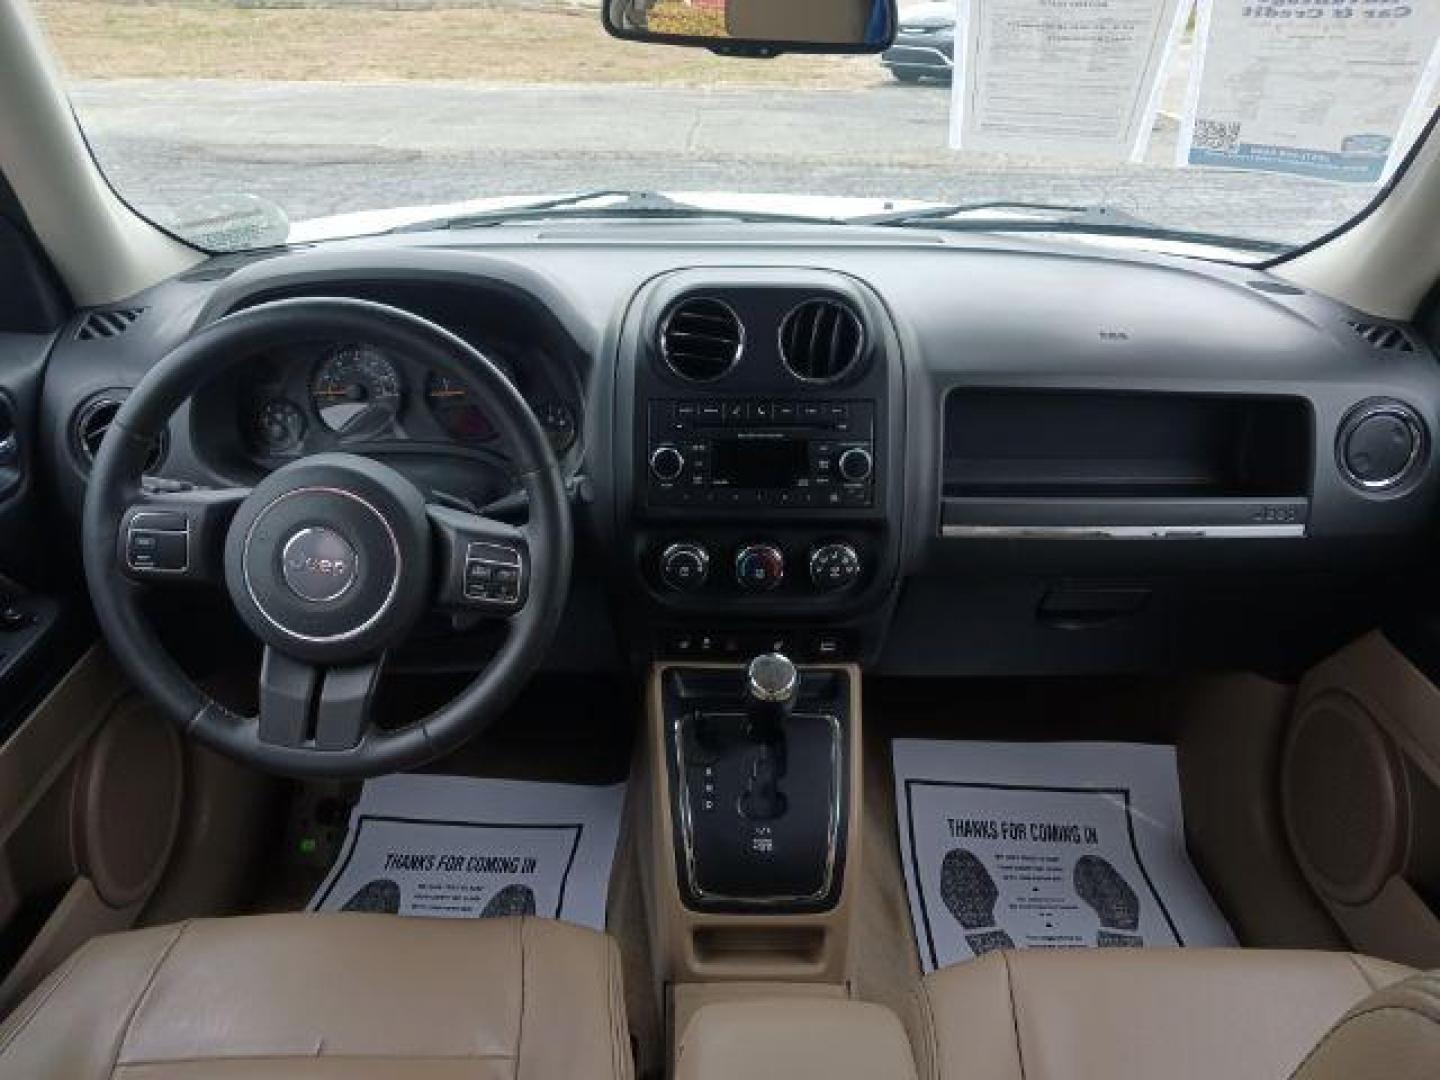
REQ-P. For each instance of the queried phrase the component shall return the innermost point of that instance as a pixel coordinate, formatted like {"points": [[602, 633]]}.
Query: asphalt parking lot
{"points": [[320, 148]]}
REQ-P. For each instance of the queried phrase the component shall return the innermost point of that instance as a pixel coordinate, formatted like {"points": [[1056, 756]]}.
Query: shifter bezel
{"points": [[823, 713]]}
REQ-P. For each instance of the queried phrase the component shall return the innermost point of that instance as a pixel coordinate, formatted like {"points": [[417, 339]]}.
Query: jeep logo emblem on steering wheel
{"points": [[318, 564]]}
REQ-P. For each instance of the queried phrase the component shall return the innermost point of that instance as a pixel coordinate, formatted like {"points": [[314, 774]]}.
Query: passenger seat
{"points": [[1176, 1014], [321, 997]]}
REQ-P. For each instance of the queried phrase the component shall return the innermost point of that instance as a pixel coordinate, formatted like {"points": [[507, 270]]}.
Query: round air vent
{"points": [[701, 338], [821, 340], [94, 420], [1381, 444]]}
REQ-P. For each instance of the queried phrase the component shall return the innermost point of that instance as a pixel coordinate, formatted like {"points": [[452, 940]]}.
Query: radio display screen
{"points": [[759, 463]]}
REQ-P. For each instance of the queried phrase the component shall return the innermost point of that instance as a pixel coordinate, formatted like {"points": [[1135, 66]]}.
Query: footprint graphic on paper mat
{"points": [[381, 896], [1102, 887], [511, 900], [969, 892]]}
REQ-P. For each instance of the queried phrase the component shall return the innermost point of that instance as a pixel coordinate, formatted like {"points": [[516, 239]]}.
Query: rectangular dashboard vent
{"points": [[110, 323], [1382, 335]]}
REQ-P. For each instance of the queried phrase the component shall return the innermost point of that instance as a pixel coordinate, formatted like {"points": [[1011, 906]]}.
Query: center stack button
{"points": [[759, 567], [684, 566], [667, 463]]}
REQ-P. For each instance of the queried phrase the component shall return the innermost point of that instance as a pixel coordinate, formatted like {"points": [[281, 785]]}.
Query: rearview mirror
{"points": [[756, 28]]}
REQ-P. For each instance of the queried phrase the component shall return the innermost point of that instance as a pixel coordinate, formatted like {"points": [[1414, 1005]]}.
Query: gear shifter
{"points": [[758, 761], [771, 683]]}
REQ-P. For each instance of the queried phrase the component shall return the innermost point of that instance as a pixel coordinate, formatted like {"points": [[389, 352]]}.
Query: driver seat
{"points": [[326, 996]]}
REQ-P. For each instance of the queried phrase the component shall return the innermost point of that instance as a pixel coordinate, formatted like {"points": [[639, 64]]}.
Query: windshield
{"points": [[249, 123]]}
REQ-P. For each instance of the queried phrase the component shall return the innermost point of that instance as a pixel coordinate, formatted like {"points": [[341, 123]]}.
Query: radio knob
{"points": [[855, 464], [667, 463], [834, 567], [759, 567], [684, 566]]}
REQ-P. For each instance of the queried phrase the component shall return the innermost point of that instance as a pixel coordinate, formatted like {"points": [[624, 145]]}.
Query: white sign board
{"points": [[1330, 89], [1060, 78], [1053, 845], [461, 848]]}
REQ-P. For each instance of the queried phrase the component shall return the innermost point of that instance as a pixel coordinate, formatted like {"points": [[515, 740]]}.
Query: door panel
{"points": [[38, 581], [1360, 788]]}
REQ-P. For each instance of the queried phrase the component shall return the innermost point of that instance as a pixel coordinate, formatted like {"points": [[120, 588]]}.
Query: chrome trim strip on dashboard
{"points": [[1124, 532]]}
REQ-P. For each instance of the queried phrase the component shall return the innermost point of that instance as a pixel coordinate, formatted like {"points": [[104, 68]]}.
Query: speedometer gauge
{"points": [[356, 391]]}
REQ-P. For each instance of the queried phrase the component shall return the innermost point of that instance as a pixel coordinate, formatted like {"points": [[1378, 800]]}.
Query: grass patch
{"points": [[196, 40]]}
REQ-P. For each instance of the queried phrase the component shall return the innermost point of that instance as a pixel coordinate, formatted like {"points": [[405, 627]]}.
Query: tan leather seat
{"points": [[352, 995], [786, 1037], [1394, 1033], [1138, 1014]]}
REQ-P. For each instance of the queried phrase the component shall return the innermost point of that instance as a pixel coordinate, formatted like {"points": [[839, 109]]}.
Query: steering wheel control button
{"points": [[318, 564], [759, 567], [667, 463], [685, 566], [834, 567], [157, 542], [493, 574], [150, 550], [161, 520]]}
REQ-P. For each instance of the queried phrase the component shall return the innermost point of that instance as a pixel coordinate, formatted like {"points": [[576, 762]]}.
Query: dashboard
{"points": [[935, 454]]}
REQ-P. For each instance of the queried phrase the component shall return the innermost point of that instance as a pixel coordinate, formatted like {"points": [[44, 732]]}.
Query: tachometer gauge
{"points": [[558, 420], [456, 410], [277, 426], [356, 391]]}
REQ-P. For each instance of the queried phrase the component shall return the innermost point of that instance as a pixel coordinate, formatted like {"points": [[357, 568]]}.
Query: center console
{"points": [[761, 505], [754, 802], [764, 497]]}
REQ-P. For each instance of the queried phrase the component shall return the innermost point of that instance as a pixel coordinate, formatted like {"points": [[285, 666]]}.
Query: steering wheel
{"points": [[330, 561]]}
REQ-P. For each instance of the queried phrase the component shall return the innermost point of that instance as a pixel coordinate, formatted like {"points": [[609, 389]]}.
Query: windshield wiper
{"points": [[649, 205], [1052, 218], [949, 210]]}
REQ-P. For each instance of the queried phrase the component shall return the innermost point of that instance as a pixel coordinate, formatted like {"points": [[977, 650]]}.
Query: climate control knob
{"points": [[667, 463], [684, 566], [759, 567], [834, 567], [855, 464]]}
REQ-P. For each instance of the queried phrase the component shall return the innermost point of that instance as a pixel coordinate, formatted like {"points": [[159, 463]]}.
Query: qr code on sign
{"points": [[1223, 137]]}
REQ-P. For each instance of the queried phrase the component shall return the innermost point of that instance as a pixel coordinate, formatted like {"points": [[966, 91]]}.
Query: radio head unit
{"points": [[781, 454], [758, 460]]}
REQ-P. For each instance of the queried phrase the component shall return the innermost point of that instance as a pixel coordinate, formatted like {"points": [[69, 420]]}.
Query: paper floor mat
{"points": [[461, 848], [1046, 845]]}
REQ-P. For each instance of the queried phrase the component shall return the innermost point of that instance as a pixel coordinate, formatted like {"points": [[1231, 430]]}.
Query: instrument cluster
{"points": [[351, 394]]}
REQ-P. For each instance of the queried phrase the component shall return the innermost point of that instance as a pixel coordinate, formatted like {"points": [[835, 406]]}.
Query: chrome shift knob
{"points": [[772, 679], [771, 682]]}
